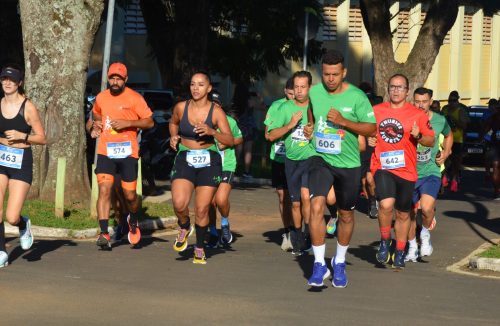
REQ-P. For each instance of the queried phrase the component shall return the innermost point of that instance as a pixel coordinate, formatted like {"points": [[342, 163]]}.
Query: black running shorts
{"points": [[25, 173], [278, 175], [389, 185], [296, 177], [202, 176]]}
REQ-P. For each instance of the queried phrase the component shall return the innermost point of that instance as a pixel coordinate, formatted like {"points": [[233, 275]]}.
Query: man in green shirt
{"points": [[341, 113], [429, 160], [289, 124], [278, 178]]}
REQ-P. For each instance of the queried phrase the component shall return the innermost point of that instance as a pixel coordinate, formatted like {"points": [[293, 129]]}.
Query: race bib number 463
{"points": [[198, 158], [392, 160], [119, 150], [11, 157]]}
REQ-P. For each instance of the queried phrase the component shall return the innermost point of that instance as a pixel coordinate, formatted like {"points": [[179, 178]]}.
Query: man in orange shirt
{"points": [[118, 113]]}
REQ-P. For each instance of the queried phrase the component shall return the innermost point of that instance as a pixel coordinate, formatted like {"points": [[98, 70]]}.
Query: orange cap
{"points": [[119, 69]]}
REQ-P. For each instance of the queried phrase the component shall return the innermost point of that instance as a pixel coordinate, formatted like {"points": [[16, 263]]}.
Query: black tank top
{"points": [[186, 129], [17, 123]]}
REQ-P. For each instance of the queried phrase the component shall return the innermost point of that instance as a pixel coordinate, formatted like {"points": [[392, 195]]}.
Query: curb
{"points": [[457, 267], [46, 232], [492, 264]]}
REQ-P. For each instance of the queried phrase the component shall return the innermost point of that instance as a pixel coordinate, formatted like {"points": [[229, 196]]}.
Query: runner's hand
{"points": [[415, 130], [308, 130], [295, 119], [120, 124], [372, 141], [96, 129], [203, 129], [174, 140], [335, 117], [14, 135]]}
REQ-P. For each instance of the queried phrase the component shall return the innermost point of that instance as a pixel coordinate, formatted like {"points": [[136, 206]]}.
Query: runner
{"points": [[221, 200], [277, 155], [198, 166], [493, 126], [118, 112], [341, 113], [429, 161], [289, 122], [20, 127], [400, 127]]}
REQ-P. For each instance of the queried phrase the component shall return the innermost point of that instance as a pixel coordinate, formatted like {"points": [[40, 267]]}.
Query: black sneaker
{"points": [[373, 213], [383, 253], [213, 241], [398, 259], [298, 242]]}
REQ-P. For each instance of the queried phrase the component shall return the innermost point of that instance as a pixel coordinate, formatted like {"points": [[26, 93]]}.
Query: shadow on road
{"points": [[39, 248]]}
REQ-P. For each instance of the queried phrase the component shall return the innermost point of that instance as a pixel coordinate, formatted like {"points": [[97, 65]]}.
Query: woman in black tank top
{"points": [[194, 126], [20, 126]]}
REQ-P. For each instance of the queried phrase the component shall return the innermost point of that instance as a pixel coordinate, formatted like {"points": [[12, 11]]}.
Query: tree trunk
{"points": [[441, 16], [58, 37]]}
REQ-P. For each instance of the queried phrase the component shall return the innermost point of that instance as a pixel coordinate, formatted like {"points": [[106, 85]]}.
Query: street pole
{"points": [[104, 83], [306, 38]]}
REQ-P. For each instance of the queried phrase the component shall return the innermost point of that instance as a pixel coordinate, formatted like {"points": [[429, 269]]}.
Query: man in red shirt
{"points": [[400, 127]]}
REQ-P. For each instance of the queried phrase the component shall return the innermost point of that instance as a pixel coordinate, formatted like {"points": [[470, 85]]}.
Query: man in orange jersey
{"points": [[118, 113]]}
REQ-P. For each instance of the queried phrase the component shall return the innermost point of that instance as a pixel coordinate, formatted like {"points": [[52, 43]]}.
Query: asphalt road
{"points": [[61, 282]]}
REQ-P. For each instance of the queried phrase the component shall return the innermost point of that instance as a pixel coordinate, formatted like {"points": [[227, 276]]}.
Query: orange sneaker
{"points": [[134, 233]]}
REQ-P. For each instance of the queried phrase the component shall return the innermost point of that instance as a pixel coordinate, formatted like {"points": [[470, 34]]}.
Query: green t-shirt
{"points": [[426, 156], [228, 155], [337, 146], [279, 144], [297, 147]]}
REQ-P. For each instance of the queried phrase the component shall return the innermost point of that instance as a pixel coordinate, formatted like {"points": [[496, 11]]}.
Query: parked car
{"points": [[474, 146]]}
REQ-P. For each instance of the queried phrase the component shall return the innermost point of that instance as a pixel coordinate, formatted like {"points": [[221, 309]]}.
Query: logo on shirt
{"points": [[391, 131]]}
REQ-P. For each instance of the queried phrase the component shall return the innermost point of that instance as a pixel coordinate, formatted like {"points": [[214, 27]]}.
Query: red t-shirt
{"points": [[129, 105], [396, 149]]}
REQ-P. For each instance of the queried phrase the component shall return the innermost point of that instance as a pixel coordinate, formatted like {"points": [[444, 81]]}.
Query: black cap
{"points": [[216, 97], [12, 73]]}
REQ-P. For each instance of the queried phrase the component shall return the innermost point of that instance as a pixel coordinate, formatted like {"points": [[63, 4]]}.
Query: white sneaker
{"points": [[412, 254], [426, 246], [286, 244], [25, 236], [4, 259]]}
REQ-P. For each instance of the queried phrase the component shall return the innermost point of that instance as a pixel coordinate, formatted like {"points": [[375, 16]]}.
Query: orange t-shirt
{"points": [[129, 105]]}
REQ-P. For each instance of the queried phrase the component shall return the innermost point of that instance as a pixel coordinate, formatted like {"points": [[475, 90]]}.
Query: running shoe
{"points": [[121, 231], [104, 241], [425, 245], [25, 236], [331, 227], [412, 254], [398, 259], [298, 243], [454, 185], [134, 233], [226, 236], [4, 259], [199, 256], [383, 254], [320, 273], [213, 241], [181, 241], [373, 213], [433, 224], [444, 181], [339, 279], [286, 244]]}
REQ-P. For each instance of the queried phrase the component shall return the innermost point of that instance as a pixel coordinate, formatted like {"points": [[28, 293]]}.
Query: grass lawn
{"points": [[492, 252], [78, 217]]}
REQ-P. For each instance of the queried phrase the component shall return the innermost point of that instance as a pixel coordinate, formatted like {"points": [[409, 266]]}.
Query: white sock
{"points": [[424, 231], [413, 243], [319, 254], [340, 255]]}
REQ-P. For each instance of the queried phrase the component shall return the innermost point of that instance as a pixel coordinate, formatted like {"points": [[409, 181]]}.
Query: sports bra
{"points": [[17, 123], [186, 129]]}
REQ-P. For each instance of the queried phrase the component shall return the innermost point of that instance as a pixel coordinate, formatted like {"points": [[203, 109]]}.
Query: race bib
{"points": [[298, 134], [328, 143], [279, 148], [392, 160], [198, 158], [222, 153], [11, 157], [424, 155], [119, 150]]}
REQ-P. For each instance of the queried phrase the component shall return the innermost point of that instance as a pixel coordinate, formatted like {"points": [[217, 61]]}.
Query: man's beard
{"points": [[116, 90]]}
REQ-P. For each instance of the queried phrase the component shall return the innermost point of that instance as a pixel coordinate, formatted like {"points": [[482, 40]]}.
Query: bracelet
{"points": [[26, 138]]}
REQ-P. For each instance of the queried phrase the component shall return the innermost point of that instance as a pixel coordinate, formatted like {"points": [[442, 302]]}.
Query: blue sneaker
{"points": [[398, 259], [226, 236], [339, 276], [383, 254], [25, 236], [4, 259], [320, 273]]}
